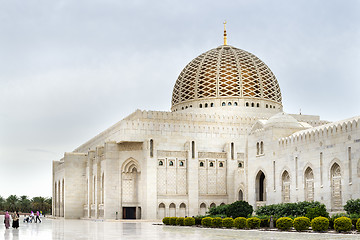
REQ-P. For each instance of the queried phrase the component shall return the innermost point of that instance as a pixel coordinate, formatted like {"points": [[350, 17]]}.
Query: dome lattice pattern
{"points": [[226, 71]]}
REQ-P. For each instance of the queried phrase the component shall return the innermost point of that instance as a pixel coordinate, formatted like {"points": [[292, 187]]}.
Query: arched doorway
{"points": [[336, 187], [260, 187], [182, 210], [129, 188], [202, 211], [241, 195], [285, 187], [161, 211], [309, 185], [172, 210]]}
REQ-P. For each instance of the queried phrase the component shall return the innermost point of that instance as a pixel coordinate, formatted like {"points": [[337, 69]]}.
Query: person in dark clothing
{"points": [[37, 216], [15, 218]]}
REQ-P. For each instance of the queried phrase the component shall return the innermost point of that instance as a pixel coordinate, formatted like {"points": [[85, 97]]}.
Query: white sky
{"points": [[69, 69]]}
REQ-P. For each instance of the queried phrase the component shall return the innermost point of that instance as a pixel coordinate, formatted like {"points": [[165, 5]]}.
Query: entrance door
{"points": [[129, 212]]}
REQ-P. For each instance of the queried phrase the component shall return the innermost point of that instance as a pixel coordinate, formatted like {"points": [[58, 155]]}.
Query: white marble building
{"points": [[225, 139]]}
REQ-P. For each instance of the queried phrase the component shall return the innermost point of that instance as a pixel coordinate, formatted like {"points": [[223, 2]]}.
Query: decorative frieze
{"points": [[214, 155], [162, 153]]}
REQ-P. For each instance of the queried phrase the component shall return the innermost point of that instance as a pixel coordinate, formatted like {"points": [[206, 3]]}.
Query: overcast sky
{"points": [[69, 69]]}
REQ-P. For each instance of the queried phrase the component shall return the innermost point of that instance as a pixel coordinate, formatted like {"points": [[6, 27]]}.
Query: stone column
{"points": [[193, 179], [149, 204], [75, 189], [112, 184]]}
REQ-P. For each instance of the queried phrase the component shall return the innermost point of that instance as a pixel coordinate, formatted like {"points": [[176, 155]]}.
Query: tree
{"points": [[12, 203], [2, 203], [24, 204], [41, 204]]}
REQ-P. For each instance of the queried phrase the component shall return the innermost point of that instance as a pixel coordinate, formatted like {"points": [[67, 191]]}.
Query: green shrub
{"points": [[358, 225], [319, 224], [198, 220], [239, 209], [173, 220], [228, 222], [354, 221], [240, 222], [206, 221], [301, 223], [180, 221], [219, 210], [287, 209], [319, 211], [284, 223], [342, 224], [216, 222], [189, 221], [352, 206], [166, 220], [253, 222]]}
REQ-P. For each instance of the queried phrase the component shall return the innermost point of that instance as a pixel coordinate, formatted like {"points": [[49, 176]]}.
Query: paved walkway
{"points": [[95, 230]]}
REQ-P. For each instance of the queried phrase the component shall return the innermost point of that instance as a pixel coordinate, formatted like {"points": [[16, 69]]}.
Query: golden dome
{"points": [[226, 72]]}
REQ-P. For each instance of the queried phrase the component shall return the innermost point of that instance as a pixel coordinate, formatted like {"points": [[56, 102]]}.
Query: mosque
{"points": [[225, 139]]}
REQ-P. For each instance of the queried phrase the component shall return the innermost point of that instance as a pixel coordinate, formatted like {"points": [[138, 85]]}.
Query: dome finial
{"points": [[225, 38]]}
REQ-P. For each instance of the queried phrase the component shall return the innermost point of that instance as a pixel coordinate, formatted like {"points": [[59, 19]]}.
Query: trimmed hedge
{"points": [[342, 224], [298, 209], [253, 222], [235, 209], [301, 223], [240, 222], [216, 222], [358, 225], [189, 221], [206, 221], [173, 220], [320, 224], [198, 220], [180, 221], [228, 222], [284, 223], [166, 220]]}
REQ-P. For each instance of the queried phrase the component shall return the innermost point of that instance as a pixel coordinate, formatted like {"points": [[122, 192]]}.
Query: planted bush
{"points": [[189, 221], [288, 209], [358, 225], [198, 220], [206, 221], [318, 211], [216, 222], [284, 223], [301, 223], [239, 209], [228, 222], [342, 224], [166, 220], [180, 221], [240, 222], [352, 206], [253, 222], [173, 220], [320, 224]]}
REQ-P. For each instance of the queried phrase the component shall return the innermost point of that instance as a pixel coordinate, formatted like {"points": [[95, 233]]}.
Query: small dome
{"points": [[226, 72], [282, 120]]}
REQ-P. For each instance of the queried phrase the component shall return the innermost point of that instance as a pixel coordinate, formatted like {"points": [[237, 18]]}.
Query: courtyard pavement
{"points": [[129, 230]]}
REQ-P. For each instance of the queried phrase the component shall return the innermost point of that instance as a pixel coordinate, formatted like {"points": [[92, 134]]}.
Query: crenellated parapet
{"points": [[321, 132]]}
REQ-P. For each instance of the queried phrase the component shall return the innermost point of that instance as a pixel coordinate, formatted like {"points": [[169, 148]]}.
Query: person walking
{"points": [[7, 220], [37, 216], [15, 218], [32, 218]]}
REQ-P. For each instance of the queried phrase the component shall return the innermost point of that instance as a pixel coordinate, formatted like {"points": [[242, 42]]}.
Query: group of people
{"points": [[15, 219], [31, 217]]}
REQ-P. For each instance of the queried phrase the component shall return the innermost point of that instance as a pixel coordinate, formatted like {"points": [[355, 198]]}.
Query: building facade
{"points": [[225, 139]]}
